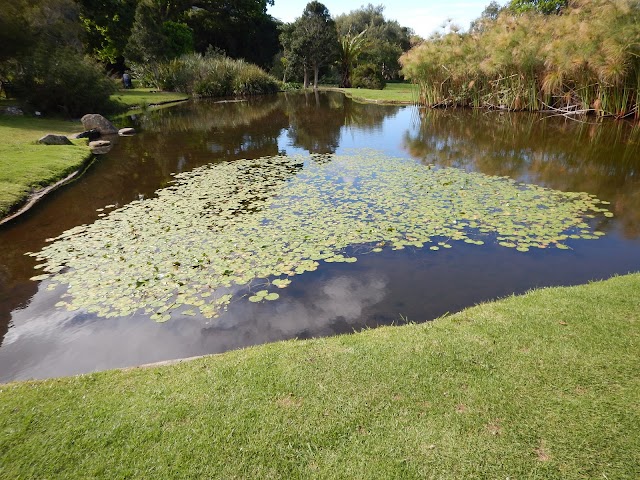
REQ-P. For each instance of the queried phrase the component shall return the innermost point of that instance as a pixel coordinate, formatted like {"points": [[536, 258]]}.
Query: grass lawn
{"points": [[26, 165], [401, 93], [139, 97], [540, 386]]}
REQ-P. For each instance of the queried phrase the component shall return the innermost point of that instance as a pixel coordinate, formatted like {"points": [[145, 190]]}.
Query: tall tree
{"points": [[157, 32], [314, 40], [386, 39], [240, 28], [351, 47], [107, 25]]}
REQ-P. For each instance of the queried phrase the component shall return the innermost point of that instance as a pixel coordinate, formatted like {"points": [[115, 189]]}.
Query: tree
{"points": [[546, 7], [314, 40], [240, 28], [386, 39], [15, 37], [157, 34], [351, 47], [488, 16], [107, 25]]}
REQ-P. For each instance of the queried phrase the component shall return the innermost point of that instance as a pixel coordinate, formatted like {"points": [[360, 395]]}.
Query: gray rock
{"points": [[93, 121], [52, 139], [126, 132], [90, 134], [13, 111], [101, 150], [100, 143]]}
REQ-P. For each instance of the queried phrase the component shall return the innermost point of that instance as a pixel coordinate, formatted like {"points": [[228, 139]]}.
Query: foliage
{"points": [[351, 47], [206, 76], [15, 36], [239, 28], [586, 59], [107, 25], [67, 83], [546, 7], [312, 41], [386, 39], [368, 75], [155, 36]]}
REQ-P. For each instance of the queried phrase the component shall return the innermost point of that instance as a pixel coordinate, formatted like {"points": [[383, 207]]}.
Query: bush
{"points": [[367, 76], [206, 76], [63, 81]]}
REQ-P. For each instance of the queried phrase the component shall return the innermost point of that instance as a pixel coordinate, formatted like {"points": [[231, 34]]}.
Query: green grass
{"points": [[542, 386], [26, 165], [139, 97], [393, 93]]}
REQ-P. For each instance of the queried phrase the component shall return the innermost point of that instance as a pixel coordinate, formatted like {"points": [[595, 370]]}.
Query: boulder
{"points": [[13, 111], [94, 121], [90, 134], [53, 139], [125, 132], [100, 143]]}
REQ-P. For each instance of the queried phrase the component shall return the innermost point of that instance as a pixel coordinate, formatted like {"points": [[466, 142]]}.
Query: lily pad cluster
{"points": [[229, 226]]}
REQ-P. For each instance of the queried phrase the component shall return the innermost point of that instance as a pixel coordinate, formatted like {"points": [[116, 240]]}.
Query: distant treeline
{"points": [[576, 56]]}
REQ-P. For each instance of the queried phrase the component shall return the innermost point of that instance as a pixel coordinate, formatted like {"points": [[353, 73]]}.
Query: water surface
{"points": [[416, 284]]}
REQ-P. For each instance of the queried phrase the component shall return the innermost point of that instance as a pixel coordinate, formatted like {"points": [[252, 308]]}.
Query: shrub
{"points": [[367, 75], [63, 81], [206, 76]]}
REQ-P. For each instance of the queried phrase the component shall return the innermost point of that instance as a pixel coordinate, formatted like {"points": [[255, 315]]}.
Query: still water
{"points": [[390, 287]]}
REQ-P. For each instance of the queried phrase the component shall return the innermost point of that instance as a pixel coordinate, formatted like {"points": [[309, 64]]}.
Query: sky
{"points": [[424, 16]]}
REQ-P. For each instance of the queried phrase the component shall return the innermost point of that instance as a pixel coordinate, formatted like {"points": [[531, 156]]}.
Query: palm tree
{"points": [[351, 46]]}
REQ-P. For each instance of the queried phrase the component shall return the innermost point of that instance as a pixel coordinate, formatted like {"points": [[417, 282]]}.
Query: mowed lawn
{"points": [[393, 93], [25, 165], [540, 386]]}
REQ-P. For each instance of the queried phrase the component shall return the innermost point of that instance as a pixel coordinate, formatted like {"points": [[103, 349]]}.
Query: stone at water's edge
{"points": [[94, 121], [126, 131], [90, 134], [52, 139], [100, 143]]}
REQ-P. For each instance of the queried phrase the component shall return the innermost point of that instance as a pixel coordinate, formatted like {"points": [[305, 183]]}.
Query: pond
{"points": [[228, 224]]}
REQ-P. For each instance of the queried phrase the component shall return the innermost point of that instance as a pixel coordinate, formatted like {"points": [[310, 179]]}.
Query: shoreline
{"points": [[23, 206]]}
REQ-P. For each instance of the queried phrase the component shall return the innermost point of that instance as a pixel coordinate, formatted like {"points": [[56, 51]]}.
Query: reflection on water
{"points": [[602, 159], [39, 341]]}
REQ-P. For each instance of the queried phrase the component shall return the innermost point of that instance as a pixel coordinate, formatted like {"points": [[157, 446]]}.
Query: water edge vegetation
{"points": [[584, 59]]}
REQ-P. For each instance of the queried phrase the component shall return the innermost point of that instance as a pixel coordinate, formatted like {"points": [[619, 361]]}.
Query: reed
{"points": [[585, 60]]}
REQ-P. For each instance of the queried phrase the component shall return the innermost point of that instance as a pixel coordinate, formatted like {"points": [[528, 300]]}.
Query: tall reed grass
{"points": [[206, 76], [587, 59]]}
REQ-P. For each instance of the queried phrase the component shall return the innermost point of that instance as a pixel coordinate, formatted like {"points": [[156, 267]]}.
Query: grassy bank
{"points": [[140, 97], [26, 166], [542, 386], [393, 93]]}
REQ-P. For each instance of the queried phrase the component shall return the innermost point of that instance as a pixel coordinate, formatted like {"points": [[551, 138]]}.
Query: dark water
{"points": [[39, 340]]}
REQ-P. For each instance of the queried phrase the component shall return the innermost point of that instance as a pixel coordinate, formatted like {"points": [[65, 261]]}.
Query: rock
{"points": [[126, 132], [100, 143], [101, 150], [13, 111], [52, 139], [90, 134], [93, 121]]}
